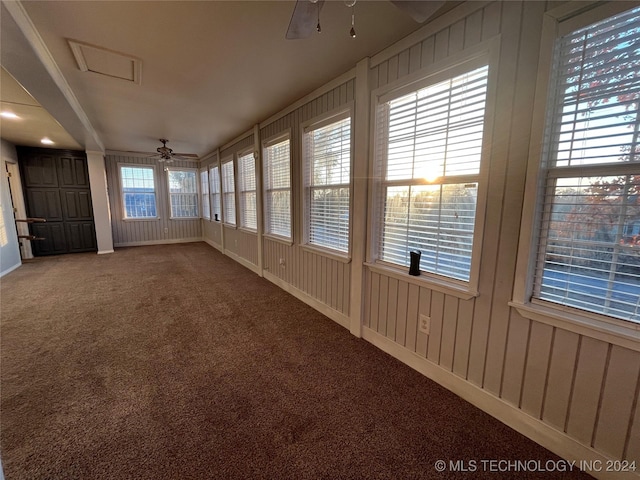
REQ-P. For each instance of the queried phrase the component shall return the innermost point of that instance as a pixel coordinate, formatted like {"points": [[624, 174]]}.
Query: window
{"points": [[428, 156], [277, 181], [204, 192], [588, 253], [183, 193], [138, 192], [247, 188], [214, 179], [229, 192], [327, 149]]}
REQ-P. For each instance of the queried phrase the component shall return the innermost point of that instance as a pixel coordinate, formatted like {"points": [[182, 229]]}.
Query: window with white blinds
{"points": [[204, 192], [589, 238], [327, 150], [214, 185], [183, 193], [277, 184], [138, 189], [229, 192], [247, 190], [429, 151]]}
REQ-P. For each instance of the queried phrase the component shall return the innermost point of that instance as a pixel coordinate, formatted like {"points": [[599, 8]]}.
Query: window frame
{"points": [[484, 53], [269, 142], [558, 22], [315, 123], [240, 214], [225, 194], [205, 197], [215, 194], [155, 191], [197, 192]]}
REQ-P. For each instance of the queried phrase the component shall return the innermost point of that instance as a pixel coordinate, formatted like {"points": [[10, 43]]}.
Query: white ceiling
{"points": [[210, 69]]}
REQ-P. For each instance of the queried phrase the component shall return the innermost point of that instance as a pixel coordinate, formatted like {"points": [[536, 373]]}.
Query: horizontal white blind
{"points": [[328, 153], [138, 192], [277, 175], [214, 180], [589, 244], [597, 92], [430, 145], [228, 190], [183, 193], [247, 187], [204, 192]]}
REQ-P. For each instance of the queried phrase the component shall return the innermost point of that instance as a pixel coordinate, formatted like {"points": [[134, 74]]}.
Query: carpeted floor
{"points": [[174, 362]]}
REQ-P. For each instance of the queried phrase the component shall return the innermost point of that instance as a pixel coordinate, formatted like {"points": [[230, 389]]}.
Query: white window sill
{"points": [[145, 219], [424, 280], [618, 332], [333, 254], [248, 230], [184, 218], [230, 226], [277, 238]]}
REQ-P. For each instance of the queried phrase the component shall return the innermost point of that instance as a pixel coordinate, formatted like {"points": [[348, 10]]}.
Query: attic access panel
{"points": [[91, 58]]}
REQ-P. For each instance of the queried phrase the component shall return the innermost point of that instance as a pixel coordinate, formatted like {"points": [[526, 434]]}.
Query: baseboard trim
{"points": [[244, 262], [550, 438], [158, 242], [336, 316], [10, 269], [214, 245]]}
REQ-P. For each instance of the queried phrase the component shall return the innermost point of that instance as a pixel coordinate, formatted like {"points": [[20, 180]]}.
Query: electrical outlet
{"points": [[166, 230], [282, 263], [425, 324]]}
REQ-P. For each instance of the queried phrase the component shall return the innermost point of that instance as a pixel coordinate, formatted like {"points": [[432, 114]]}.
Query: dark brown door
{"points": [[56, 184]]}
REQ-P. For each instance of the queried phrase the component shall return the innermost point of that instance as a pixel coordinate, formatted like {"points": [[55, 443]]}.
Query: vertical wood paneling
{"points": [[535, 376], [413, 305], [392, 308], [492, 19], [403, 64], [473, 29], [463, 337], [449, 328], [441, 49], [435, 334], [514, 358], [632, 452], [415, 58], [374, 298], [424, 308], [401, 313], [456, 36], [563, 359], [383, 304], [427, 52], [586, 390], [618, 399]]}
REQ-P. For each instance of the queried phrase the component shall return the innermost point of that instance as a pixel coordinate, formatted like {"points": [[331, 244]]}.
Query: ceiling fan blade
{"points": [[419, 10], [304, 19]]}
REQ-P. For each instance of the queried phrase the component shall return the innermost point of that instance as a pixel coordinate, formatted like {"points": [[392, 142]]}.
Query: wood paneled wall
{"points": [[140, 232], [581, 386]]}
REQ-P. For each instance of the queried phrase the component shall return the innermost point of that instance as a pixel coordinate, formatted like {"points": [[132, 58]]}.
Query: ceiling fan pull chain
{"points": [[353, 21], [318, 29]]}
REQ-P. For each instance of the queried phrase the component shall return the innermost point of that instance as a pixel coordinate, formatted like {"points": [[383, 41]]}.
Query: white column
{"points": [[360, 184], [100, 201]]}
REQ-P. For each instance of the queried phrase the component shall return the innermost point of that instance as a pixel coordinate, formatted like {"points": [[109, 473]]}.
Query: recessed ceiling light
{"points": [[9, 115], [46, 141]]}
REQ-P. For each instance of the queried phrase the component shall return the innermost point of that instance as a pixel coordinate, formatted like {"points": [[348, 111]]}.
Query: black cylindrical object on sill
{"points": [[414, 266]]}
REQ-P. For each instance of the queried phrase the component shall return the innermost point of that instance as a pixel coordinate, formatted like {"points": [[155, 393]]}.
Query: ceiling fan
{"points": [[306, 14], [166, 155]]}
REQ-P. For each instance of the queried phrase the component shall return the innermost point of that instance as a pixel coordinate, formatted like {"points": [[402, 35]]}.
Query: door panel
{"points": [[80, 236], [55, 241], [72, 172], [39, 171], [44, 203]]}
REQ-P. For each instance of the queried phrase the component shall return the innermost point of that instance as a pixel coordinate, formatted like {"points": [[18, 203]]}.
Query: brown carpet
{"points": [[174, 362]]}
